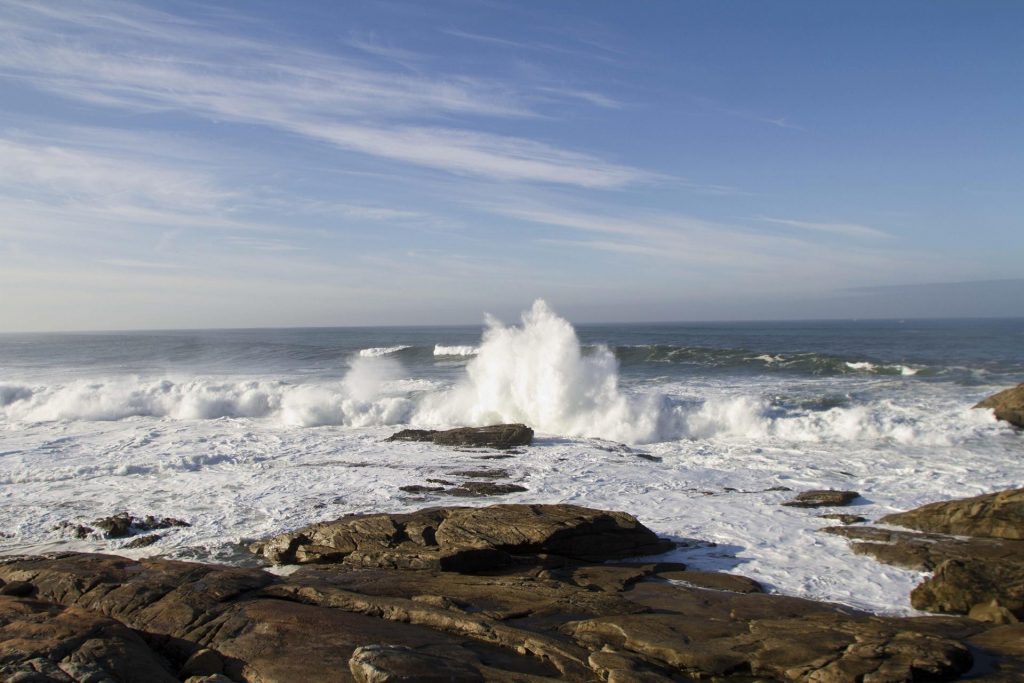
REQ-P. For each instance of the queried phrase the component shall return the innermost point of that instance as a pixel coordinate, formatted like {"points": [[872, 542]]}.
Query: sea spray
{"points": [[537, 374]]}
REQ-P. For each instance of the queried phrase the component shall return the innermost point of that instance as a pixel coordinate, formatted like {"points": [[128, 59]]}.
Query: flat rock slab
{"points": [[502, 436], [824, 498], [465, 539], [1007, 405], [995, 515]]}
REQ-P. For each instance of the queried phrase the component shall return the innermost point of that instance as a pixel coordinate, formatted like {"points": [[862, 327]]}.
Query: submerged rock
{"points": [[123, 524], [1007, 405], [825, 498], [502, 436], [474, 489]]}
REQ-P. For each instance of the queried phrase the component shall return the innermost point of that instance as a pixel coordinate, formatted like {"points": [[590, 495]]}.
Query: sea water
{"points": [[697, 429]]}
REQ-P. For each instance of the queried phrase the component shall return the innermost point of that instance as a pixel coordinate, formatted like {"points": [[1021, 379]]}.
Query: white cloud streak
{"points": [[137, 59], [843, 229]]}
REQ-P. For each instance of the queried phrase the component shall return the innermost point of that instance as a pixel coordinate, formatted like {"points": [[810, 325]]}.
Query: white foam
{"points": [[440, 350], [377, 351]]}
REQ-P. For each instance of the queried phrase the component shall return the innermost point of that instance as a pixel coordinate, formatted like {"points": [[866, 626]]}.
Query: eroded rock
{"points": [[1007, 405]]}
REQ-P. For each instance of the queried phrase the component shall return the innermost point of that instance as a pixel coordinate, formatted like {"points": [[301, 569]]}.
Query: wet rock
{"points": [[1007, 405], [502, 436], [824, 498], [455, 537], [716, 581], [123, 524], [76, 530], [474, 489], [925, 552], [482, 474], [419, 488], [843, 518], [995, 515], [386, 663], [142, 542], [115, 526]]}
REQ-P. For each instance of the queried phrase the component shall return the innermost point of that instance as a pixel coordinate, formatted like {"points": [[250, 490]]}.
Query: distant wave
{"points": [[377, 351], [465, 350], [809, 363]]}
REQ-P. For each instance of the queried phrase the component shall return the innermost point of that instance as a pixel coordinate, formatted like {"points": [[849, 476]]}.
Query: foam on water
{"points": [[377, 351], [243, 457], [460, 350]]}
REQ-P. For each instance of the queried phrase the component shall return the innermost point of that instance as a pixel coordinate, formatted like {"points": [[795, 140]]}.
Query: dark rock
{"points": [[76, 530], [142, 542], [817, 499], [18, 589], [386, 663], [151, 523], [1007, 405], [419, 488], [482, 474], [203, 662], [503, 436], [844, 518], [473, 489], [115, 526], [439, 537], [995, 515], [925, 552]]}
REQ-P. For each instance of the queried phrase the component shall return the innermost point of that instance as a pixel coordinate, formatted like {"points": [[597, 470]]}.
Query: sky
{"points": [[263, 164]]}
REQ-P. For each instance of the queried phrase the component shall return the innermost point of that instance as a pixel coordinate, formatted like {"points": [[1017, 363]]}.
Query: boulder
{"points": [[825, 498], [388, 663], [1007, 405], [966, 586], [994, 515], [465, 539], [502, 436]]}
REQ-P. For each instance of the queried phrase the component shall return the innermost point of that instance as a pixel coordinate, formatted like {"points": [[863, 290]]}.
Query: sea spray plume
{"points": [[362, 399], [537, 374]]}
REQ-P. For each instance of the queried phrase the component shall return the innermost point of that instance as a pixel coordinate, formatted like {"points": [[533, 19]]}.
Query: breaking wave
{"points": [[378, 351], [537, 373], [440, 350]]}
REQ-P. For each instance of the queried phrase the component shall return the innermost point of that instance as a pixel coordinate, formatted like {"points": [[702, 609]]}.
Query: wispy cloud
{"points": [[138, 59], [842, 229]]}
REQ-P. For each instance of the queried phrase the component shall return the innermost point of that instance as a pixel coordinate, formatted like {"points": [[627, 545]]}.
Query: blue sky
{"points": [[187, 164]]}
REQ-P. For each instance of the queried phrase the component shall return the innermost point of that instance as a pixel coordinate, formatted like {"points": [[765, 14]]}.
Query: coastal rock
{"points": [[1007, 405], [966, 586], [844, 518], [123, 524], [41, 642], [479, 489], [555, 610], [995, 515], [387, 663], [824, 498], [465, 539], [502, 436], [973, 545]]}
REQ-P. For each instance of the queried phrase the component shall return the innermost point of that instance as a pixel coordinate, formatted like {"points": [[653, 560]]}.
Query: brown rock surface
{"points": [[994, 515], [1007, 405], [541, 616], [462, 538], [45, 642]]}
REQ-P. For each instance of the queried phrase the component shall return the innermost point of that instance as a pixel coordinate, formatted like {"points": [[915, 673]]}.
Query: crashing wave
{"points": [[378, 351], [464, 350]]}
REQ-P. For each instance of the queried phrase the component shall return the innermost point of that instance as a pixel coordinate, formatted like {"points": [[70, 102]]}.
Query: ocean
{"points": [[697, 429]]}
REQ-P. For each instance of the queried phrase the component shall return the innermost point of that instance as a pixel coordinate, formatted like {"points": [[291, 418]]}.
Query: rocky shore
{"points": [[513, 592], [507, 593]]}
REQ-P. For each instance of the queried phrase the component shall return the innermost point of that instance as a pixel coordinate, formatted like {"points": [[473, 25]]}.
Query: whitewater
{"points": [[698, 430]]}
